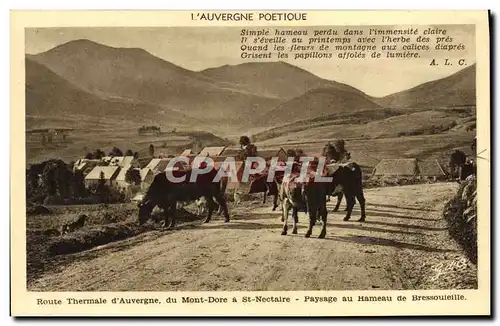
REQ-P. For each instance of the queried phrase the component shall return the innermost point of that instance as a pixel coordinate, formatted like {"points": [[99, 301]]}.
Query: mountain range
{"points": [[82, 77]]}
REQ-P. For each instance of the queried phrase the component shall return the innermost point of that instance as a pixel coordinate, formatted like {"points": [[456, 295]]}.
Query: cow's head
{"points": [[145, 209], [341, 173]]}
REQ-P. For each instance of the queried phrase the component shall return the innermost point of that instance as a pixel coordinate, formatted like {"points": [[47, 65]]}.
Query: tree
{"points": [[79, 189], [116, 152], [300, 152], [98, 154], [102, 190], [129, 153], [151, 150], [31, 182], [133, 176], [291, 152], [55, 177], [64, 181]]}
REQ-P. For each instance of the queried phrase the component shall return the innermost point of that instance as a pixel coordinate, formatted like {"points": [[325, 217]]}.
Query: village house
{"points": [[125, 163], [158, 165], [212, 151], [147, 177], [110, 174], [187, 152], [85, 165], [401, 167], [431, 169], [270, 153], [122, 161], [231, 151]]}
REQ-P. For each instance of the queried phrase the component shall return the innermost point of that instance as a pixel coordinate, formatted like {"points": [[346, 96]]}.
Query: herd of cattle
{"points": [[292, 192]]}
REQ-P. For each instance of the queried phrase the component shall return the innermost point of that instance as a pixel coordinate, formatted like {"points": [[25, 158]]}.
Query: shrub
{"points": [[461, 214]]}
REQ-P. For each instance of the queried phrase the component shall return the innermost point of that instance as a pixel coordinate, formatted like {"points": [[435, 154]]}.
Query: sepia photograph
{"points": [[248, 157]]}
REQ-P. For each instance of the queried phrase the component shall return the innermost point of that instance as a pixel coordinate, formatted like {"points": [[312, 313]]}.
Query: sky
{"points": [[198, 48]]}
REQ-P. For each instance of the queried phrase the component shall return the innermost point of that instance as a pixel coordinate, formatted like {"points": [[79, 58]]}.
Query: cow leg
{"points": [[350, 205], [264, 197], [275, 202], [362, 202], [284, 218], [282, 207], [172, 218], [219, 210], [210, 204], [169, 216], [221, 200], [323, 213], [339, 200], [295, 216], [312, 221], [353, 203]]}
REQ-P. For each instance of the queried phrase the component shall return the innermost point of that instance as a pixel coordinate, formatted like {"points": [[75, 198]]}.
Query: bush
{"points": [[38, 210], [461, 214], [85, 239]]}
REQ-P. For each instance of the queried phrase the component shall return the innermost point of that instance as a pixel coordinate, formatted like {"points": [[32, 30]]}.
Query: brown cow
{"points": [[306, 195]]}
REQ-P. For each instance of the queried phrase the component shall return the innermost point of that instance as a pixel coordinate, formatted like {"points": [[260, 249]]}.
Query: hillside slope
{"points": [[459, 89], [274, 79], [50, 95], [134, 74], [316, 103]]}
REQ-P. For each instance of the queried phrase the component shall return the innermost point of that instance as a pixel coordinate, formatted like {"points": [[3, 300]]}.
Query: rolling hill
{"points": [[316, 103], [459, 89], [133, 74], [274, 79], [48, 95], [86, 81]]}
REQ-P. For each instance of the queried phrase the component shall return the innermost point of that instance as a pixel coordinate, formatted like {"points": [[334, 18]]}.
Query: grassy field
{"points": [[370, 135], [369, 152]]}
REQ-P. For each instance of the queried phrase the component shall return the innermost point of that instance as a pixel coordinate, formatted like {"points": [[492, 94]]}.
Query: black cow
{"points": [[268, 188], [457, 159], [347, 179], [166, 194], [339, 196], [467, 169]]}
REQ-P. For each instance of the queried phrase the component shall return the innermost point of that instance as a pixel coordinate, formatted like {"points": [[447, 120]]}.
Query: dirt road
{"points": [[403, 244]]}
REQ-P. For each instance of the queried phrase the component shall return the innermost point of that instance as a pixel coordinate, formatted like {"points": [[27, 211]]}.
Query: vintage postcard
{"points": [[250, 163]]}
